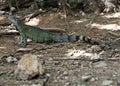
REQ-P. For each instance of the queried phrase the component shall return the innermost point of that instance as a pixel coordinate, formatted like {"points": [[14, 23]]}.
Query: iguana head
{"points": [[15, 20]]}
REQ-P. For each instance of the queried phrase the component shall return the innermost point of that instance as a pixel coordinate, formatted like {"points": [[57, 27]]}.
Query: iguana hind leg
{"points": [[22, 40]]}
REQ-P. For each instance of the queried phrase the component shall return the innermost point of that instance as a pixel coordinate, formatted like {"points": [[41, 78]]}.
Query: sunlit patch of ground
{"points": [[78, 21], [33, 22], [113, 15], [112, 27], [81, 54]]}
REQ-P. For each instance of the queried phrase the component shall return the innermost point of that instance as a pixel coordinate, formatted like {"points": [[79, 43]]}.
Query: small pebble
{"points": [[107, 82], [86, 77], [11, 59]]}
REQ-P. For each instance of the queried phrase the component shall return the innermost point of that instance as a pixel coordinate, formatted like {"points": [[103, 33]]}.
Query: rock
{"points": [[96, 48], [86, 77], [111, 5], [107, 83], [118, 83], [13, 9], [2, 12], [67, 84], [92, 79], [100, 64], [11, 59], [95, 57], [3, 19], [29, 67]]}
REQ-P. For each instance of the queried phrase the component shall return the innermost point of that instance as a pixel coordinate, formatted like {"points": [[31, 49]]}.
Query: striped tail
{"points": [[73, 38], [87, 40]]}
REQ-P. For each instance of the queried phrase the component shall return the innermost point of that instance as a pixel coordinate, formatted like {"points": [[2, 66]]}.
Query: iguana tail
{"points": [[73, 38]]}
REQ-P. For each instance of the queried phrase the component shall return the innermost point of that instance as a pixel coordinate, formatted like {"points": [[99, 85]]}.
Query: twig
{"points": [[93, 60], [91, 21], [114, 34], [116, 39], [34, 14], [10, 32]]}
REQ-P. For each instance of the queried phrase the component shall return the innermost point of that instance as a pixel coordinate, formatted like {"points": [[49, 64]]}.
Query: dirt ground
{"points": [[78, 69]]}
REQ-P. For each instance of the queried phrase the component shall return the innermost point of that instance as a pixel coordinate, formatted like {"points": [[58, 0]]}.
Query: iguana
{"points": [[41, 35]]}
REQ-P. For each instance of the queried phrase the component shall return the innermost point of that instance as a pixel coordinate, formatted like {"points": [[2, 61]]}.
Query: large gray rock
{"points": [[29, 67]]}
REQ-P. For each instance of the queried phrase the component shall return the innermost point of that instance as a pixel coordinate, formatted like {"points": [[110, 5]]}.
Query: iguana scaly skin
{"points": [[40, 35]]}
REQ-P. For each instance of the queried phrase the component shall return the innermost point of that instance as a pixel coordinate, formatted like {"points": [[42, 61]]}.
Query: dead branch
{"points": [[84, 59], [34, 14], [10, 32]]}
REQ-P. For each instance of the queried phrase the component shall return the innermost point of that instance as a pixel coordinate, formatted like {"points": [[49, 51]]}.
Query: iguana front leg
{"points": [[22, 40]]}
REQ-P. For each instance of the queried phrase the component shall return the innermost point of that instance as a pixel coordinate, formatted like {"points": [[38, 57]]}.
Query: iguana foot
{"points": [[22, 44], [22, 40]]}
